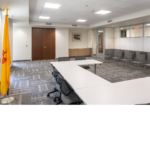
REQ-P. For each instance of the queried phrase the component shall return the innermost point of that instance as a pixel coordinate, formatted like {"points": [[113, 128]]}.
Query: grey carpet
{"points": [[32, 80]]}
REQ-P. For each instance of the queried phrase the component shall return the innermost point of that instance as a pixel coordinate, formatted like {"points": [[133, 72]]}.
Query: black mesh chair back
{"points": [[80, 58], [55, 72], [63, 59], [65, 88], [59, 79]]}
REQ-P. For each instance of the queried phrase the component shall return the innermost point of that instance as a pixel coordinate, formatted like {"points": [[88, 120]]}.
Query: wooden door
{"points": [[43, 43], [101, 43], [49, 43], [37, 44]]}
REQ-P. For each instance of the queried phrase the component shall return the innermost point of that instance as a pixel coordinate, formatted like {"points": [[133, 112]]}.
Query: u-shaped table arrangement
{"points": [[94, 90]]}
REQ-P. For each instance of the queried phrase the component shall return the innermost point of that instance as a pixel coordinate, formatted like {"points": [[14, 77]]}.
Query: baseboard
{"points": [[20, 60]]}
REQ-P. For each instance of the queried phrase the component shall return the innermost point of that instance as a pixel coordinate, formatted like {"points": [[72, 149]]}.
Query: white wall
{"points": [[147, 31], [11, 39], [116, 38], [94, 42], [62, 49], [83, 43], [21, 38], [135, 44], [109, 38], [90, 39]]}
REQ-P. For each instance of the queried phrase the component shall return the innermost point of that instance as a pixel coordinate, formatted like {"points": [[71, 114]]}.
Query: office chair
{"points": [[63, 59], [55, 73], [68, 96], [142, 105], [119, 55], [82, 58], [141, 60]]}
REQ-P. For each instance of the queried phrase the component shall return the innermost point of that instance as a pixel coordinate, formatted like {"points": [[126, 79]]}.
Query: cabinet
{"points": [[79, 52]]}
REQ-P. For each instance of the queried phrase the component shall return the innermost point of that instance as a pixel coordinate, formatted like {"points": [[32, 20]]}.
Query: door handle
{"points": [[44, 47]]}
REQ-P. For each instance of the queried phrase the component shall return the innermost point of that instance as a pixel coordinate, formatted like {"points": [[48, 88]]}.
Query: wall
{"points": [[62, 37], [109, 38], [116, 38], [90, 39], [94, 42], [11, 39], [21, 38], [147, 31], [132, 44], [83, 43]]}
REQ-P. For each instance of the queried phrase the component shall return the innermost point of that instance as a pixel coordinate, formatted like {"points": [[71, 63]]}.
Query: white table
{"points": [[78, 77], [122, 93], [77, 63]]}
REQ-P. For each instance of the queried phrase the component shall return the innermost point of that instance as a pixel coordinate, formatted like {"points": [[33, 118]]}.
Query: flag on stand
{"points": [[6, 60]]}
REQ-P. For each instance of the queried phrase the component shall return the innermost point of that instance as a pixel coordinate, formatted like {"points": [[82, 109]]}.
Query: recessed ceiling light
{"points": [[51, 5], [100, 31], [43, 17], [103, 12], [81, 20]]}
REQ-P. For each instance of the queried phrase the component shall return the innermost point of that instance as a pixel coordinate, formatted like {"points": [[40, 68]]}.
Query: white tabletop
{"points": [[78, 77], [122, 93], [77, 62]]}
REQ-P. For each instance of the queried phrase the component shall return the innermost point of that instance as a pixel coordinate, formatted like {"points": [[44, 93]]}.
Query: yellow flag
{"points": [[6, 60]]}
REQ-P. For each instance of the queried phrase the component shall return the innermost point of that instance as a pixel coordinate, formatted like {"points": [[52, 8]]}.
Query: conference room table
{"points": [[130, 92], [94, 90], [79, 63], [76, 76]]}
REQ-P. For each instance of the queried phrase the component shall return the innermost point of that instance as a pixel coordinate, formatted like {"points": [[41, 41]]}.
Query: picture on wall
{"points": [[76, 37]]}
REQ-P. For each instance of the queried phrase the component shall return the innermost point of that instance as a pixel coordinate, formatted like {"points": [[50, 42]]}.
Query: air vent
{"points": [[109, 21], [74, 25], [49, 24]]}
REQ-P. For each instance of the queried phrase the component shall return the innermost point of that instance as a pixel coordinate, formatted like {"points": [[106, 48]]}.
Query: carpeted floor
{"points": [[32, 80]]}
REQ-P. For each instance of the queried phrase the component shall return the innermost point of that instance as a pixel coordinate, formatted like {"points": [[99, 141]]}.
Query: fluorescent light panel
{"points": [[51, 5], [100, 31], [103, 12], [43, 17], [81, 20]]}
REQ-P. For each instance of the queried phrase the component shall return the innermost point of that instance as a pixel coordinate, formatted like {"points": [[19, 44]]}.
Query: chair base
{"points": [[55, 90]]}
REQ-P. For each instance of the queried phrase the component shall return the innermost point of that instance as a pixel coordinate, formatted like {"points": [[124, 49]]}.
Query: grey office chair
{"points": [[118, 55], [128, 58], [63, 59], [68, 96], [141, 60], [82, 58], [108, 54], [55, 73]]}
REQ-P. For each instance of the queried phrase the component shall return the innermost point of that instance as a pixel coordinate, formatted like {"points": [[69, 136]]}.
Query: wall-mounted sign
{"points": [[136, 27]]}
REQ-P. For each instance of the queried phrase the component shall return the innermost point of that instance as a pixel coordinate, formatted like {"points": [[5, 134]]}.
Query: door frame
{"points": [[42, 28], [102, 29]]}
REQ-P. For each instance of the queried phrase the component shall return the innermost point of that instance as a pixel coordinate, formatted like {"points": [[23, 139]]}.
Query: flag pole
{"points": [[10, 99]]}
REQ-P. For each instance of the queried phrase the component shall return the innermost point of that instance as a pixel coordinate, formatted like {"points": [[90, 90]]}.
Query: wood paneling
{"points": [[49, 43], [43, 43], [79, 52], [37, 44]]}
